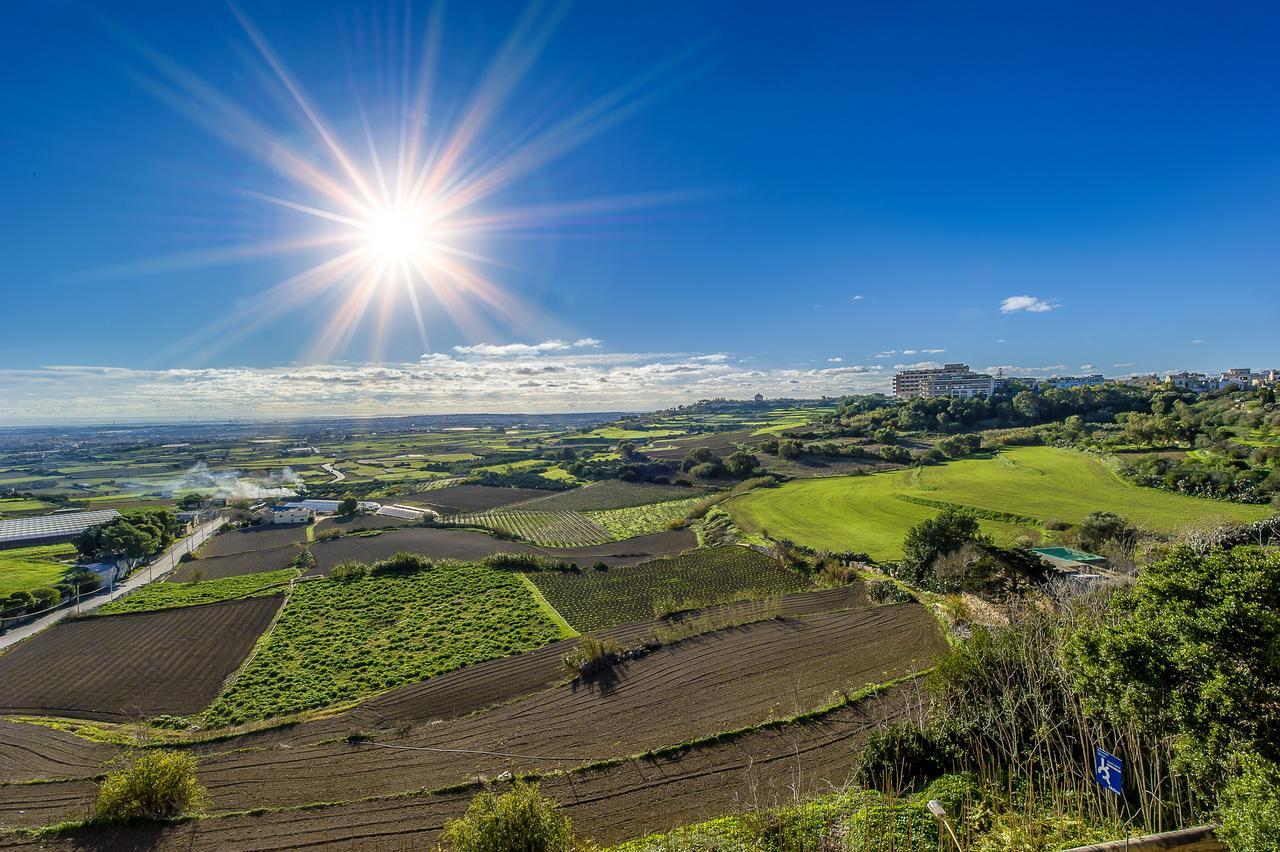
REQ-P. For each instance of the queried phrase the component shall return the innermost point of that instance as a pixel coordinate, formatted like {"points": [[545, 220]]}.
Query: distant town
{"points": [[961, 382]]}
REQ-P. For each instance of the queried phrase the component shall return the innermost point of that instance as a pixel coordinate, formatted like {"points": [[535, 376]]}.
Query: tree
{"points": [[521, 820], [697, 456], [943, 534], [790, 449], [1249, 808], [741, 464], [1190, 653], [627, 450], [1099, 528], [132, 536], [348, 504]]}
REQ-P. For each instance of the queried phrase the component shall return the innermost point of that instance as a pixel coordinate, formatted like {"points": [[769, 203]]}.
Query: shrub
{"points": [[330, 533], [401, 563], [156, 785], [885, 591], [1250, 807], [349, 571], [535, 561], [45, 598], [521, 820], [591, 655]]}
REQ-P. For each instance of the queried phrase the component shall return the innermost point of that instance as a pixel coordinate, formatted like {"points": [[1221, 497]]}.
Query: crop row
{"points": [[549, 529], [593, 599], [169, 595], [642, 520]]}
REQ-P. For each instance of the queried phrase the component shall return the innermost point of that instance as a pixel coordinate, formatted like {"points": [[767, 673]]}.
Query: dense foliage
{"points": [[520, 820], [133, 535], [1190, 652]]}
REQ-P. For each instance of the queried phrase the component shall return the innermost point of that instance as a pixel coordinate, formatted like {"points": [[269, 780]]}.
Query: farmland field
{"points": [[591, 599], [607, 494], [235, 564], [155, 596], [250, 539], [142, 664], [338, 640], [469, 498], [642, 520], [861, 513], [470, 545], [548, 529], [23, 569]]}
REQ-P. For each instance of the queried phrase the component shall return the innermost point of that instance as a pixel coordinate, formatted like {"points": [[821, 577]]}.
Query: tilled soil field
{"points": [[235, 564], [469, 498], [703, 685], [609, 804], [252, 539], [36, 752], [470, 545], [120, 667], [607, 494], [361, 522], [720, 443]]}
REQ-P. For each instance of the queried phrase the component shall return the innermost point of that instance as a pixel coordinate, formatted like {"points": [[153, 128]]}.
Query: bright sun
{"points": [[398, 237]]}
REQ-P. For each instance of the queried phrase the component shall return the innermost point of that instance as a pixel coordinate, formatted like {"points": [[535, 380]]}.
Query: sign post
{"points": [[1108, 771]]}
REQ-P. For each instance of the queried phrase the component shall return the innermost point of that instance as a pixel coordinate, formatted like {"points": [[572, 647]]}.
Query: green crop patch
{"points": [[170, 595], [590, 599], [25, 569], [1019, 485], [642, 520], [341, 639], [548, 529]]}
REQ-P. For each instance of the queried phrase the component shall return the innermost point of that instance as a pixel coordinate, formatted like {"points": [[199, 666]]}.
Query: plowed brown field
{"points": [[250, 539], [119, 667], [469, 545], [235, 564]]}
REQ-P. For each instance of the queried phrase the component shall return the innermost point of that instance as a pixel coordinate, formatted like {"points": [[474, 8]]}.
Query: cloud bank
{"points": [[1030, 304], [550, 376]]}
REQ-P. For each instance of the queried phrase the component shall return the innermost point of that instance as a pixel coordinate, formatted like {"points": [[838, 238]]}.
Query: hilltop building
{"points": [[1076, 381], [949, 380]]}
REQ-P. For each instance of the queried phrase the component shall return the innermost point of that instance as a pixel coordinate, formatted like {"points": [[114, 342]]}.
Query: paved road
{"points": [[338, 475], [157, 570]]}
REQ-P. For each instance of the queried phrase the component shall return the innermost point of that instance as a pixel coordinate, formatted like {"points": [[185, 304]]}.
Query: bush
{"points": [[900, 756], [156, 785], [535, 561], [591, 655], [885, 591], [349, 571], [401, 563], [330, 533], [1250, 807], [45, 598], [521, 820]]}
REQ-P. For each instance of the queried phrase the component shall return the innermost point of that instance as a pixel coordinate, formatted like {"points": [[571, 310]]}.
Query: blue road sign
{"points": [[1108, 772]]}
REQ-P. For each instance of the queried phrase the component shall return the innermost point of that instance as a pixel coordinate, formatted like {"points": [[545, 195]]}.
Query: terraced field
{"points": [[169, 595], [338, 640], [548, 529], [236, 564], [642, 520], [590, 599], [863, 513], [136, 665], [607, 494], [254, 539]]}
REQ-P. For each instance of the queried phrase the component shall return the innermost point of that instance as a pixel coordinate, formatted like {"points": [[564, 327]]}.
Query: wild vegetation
{"points": [[169, 595]]}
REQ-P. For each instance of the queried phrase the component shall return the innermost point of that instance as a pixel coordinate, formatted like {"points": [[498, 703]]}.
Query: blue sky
{"points": [[864, 182]]}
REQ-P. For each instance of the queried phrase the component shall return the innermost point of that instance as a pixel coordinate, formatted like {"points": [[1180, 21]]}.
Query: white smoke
{"points": [[232, 485]]}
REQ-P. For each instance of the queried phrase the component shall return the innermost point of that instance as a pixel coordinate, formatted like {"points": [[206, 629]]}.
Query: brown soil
{"points": [[135, 665], [251, 539], [458, 499], [235, 564], [34, 752], [361, 522], [610, 804], [470, 545]]}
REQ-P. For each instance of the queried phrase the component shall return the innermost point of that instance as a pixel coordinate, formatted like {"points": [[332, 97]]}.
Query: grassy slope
{"points": [[338, 640], [860, 513], [25, 569]]}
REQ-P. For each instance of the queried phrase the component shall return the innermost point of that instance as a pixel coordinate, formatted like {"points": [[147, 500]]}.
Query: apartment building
{"points": [[949, 380]]}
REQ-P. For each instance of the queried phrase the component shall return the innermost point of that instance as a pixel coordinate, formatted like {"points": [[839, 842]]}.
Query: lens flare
{"points": [[399, 213]]}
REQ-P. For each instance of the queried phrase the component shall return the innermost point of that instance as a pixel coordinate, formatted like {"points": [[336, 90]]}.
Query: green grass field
{"points": [[860, 513], [336, 640], [170, 595], [25, 569]]}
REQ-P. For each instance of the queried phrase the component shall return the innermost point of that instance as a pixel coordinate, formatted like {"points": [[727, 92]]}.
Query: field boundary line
{"points": [[546, 606]]}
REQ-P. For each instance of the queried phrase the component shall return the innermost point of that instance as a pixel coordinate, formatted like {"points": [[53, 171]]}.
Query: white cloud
{"points": [[1123, 364], [552, 376], [1197, 341], [919, 365], [1001, 340], [922, 351], [858, 298], [887, 353], [1086, 367], [1030, 304], [835, 360], [1010, 368], [506, 350]]}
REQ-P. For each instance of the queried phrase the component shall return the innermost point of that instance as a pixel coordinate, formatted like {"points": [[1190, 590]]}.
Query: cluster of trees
{"points": [[705, 464], [132, 536]]}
